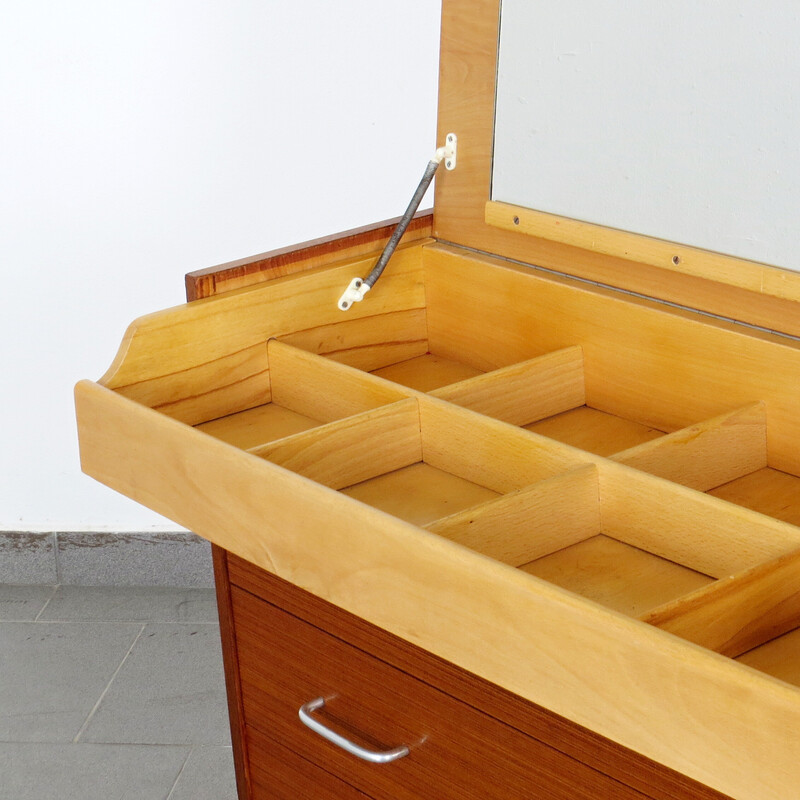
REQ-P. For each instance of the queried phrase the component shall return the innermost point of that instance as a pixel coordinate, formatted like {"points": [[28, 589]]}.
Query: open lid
{"points": [[650, 147]]}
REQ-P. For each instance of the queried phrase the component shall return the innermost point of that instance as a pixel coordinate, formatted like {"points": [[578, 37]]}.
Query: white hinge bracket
{"points": [[448, 152]]}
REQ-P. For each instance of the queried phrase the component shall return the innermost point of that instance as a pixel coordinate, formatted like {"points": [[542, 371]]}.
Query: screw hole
{"points": [[676, 260], [516, 220]]}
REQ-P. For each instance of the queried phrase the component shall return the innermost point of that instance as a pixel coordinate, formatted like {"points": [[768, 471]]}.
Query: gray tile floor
{"points": [[112, 692]]}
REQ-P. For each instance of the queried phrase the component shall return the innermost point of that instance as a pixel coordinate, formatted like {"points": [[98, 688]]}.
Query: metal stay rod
{"points": [[360, 286]]}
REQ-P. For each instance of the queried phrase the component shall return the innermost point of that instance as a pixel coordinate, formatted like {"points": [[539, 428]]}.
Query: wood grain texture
{"points": [[280, 774], [779, 658], [688, 527], [589, 664], [616, 575], [354, 449], [286, 662], [595, 431], [768, 491], [531, 522], [228, 383], [323, 389], [708, 454], [671, 256], [363, 344], [660, 367], [651, 779], [300, 257], [467, 81], [187, 352], [525, 392], [740, 612], [426, 372], [419, 493], [257, 426], [486, 451], [233, 685]]}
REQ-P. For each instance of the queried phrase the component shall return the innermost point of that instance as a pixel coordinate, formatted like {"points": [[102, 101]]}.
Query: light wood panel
{"points": [[780, 658], [230, 382], [320, 388], [197, 350], [486, 451], [768, 491], [419, 493], [258, 425], [351, 450], [657, 366], [529, 523], [616, 575], [467, 81], [525, 392], [690, 528], [738, 613], [595, 431], [737, 272], [707, 716], [708, 454], [427, 372], [363, 344]]}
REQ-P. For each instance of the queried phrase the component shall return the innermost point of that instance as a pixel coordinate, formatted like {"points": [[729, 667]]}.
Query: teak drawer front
{"points": [[456, 751], [279, 774]]}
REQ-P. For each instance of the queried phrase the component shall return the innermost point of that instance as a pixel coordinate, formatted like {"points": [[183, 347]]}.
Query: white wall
{"points": [[141, 140]]}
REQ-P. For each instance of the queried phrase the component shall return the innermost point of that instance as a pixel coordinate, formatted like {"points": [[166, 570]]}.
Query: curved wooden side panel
{"points": [[206, 359]]}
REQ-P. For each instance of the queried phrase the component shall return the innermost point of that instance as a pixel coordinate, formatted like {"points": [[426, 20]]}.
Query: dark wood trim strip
{"points": [[652, 779], [230, 658], [297, 258]]}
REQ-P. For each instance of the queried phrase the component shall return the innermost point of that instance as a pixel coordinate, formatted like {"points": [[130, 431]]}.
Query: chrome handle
{"points": [[373, 756]]}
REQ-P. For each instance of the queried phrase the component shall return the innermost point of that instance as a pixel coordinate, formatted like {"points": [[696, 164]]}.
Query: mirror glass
{"points": [[677, 120]]}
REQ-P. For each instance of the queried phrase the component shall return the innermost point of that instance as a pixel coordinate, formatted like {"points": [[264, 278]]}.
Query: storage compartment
{"points": [[397, 461], [416, 459], [303, 392]]}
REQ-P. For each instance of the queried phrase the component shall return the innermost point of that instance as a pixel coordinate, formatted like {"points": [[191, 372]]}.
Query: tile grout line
{"points": [[47, 603], [180, 772], [108, 686]]}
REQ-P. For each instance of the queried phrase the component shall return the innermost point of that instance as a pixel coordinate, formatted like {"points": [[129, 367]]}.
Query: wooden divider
{"points": [[487, 451], [708, 454], [531, 522], [685, 526], [354, 449], [321, 388], [524, 392], [736, 614]]}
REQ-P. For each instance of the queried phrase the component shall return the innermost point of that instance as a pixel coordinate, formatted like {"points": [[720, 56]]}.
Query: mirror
{"points": [[678, 120]]}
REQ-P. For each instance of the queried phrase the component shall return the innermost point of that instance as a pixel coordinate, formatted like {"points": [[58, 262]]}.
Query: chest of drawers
{"points": [[540, 531]]}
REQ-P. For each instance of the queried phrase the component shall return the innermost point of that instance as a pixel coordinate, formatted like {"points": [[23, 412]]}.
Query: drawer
{"points": [[277, 773], [526, 497], [455, 750]]}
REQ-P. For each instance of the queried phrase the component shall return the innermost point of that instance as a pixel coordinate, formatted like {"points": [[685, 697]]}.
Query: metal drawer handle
{"points": [[373, 756]]}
